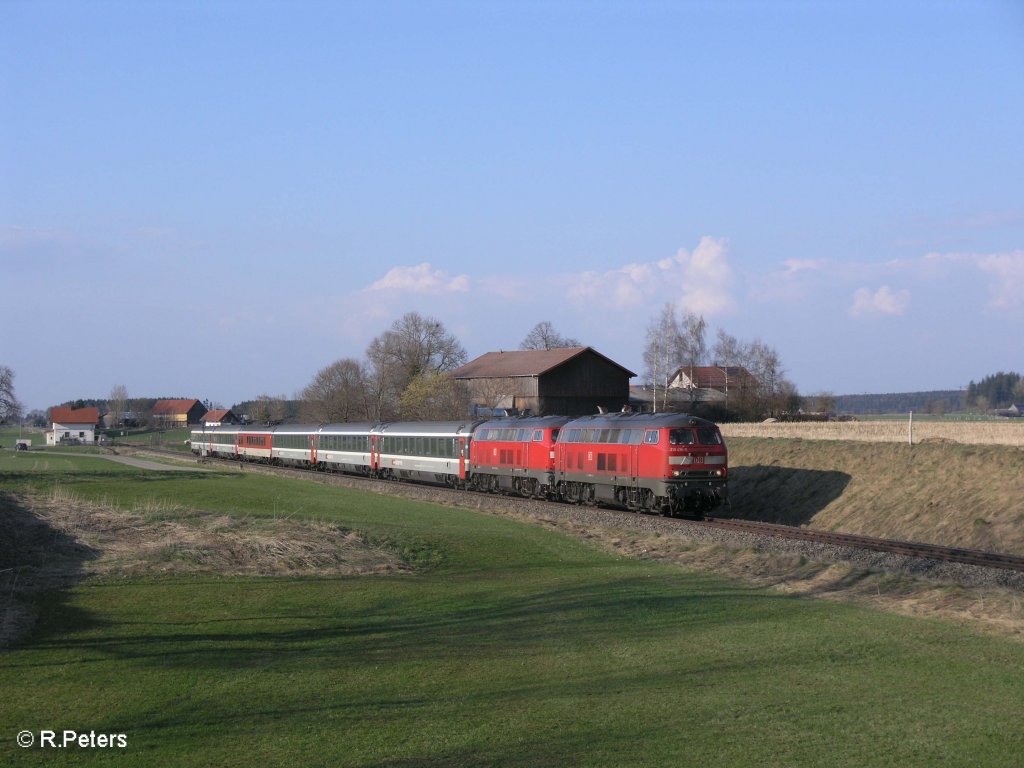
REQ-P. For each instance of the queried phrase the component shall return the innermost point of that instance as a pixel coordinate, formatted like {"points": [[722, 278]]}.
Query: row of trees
{"points": [[678, 339], [998, 390], [405, 374]]}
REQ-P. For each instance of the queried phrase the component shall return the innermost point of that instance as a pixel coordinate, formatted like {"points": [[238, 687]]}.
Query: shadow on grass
{"points": [[37, 564], [423, 623], [783, 495]]}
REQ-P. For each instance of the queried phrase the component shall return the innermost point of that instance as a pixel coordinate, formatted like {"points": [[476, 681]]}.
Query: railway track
{"points": [[906, 548], [912, 549]]}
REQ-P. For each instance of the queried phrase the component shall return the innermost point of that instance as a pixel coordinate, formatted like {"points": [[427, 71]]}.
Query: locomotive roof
{"points": [[638, 421], [523, 422]]}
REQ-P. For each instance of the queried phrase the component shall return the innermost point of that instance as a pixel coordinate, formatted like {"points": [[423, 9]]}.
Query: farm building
{"points": [[72, 425], [217, 416], [177, 413], [572, 381]]}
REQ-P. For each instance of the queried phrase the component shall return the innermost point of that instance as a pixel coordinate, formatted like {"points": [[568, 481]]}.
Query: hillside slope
{"points": [[957, 495]]}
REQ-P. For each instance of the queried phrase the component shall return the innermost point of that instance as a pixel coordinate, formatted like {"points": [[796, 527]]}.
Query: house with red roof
{"points": [[72, 426], [217, 416]]}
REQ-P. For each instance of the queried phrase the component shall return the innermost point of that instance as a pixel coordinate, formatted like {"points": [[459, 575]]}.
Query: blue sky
{"points": [[218, 199]]}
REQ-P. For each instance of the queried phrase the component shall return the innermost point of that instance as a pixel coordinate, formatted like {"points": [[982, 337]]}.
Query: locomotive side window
{"points": [[538, 435], [651, 437]]}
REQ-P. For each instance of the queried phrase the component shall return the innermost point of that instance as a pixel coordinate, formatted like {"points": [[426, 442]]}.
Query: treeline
{"points": [[935, 402], [999, 390]]}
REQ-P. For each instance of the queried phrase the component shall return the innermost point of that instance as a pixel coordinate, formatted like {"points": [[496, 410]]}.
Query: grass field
{"points": [[505, 645], [1001, 432]]}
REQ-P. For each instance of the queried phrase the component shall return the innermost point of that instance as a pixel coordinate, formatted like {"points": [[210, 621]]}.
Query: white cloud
{"points": [[803, 265], [420, 279], [707, 278], [1008, 270], [884, 301], [699, 280]]}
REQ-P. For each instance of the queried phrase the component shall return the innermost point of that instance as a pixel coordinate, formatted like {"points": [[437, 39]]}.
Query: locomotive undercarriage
{"points": [[670, 499], [527, 485]]}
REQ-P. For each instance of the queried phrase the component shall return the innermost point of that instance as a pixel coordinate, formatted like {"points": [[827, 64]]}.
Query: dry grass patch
{"points": [[55, 540], [888, 431], [159, 538]]}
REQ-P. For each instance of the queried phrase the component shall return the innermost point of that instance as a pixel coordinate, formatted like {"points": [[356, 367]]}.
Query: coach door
{"points": [[313, 449], [462, 458], [374, 452]]}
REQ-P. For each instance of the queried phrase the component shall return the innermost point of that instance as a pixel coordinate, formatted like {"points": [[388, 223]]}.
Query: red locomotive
{"points": [[666, 462]]}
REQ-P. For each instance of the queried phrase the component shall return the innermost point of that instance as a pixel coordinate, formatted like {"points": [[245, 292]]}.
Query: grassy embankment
{"points": [[968, 495], [498, 644]]}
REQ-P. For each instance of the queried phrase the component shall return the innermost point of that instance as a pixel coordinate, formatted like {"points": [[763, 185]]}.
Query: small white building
{"points": [[72, 425]]}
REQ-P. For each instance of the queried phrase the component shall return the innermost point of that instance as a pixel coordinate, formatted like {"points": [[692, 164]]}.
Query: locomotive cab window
{"points": [[680, 437], [707, 436]]}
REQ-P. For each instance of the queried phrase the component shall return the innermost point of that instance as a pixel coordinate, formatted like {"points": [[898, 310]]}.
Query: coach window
{"points": [[651, 436]]}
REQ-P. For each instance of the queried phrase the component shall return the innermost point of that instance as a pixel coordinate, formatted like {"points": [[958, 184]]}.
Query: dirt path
{"points": [[131, 461]]}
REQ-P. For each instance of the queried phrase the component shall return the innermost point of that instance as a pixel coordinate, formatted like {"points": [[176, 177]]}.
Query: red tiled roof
{"points": [[216, 414], [714, 376], [173, 407], [61, 415]]}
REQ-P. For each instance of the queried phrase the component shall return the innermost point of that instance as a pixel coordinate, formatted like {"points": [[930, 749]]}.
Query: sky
{"points": [[218, 199]]}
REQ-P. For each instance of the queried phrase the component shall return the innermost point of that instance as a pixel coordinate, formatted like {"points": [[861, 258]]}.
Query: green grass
{"points": [[510, 646]]}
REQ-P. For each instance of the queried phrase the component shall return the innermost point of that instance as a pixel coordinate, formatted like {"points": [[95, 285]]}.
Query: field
{"points": [[1001, 432], [457, 639]]}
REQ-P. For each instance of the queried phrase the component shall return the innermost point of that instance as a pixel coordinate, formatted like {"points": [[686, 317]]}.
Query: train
{"points": [[667, 463]]}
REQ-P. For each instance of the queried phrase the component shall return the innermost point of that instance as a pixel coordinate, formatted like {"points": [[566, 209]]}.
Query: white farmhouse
{"points": [[72, 425]]}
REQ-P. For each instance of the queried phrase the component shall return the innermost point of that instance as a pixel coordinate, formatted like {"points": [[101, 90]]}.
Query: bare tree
{"points": [[499, 392], [338, 393], [674, 341], [659, 349], [117, 405], [413, 346], [269, 409], [544, 336], [10, 406]]}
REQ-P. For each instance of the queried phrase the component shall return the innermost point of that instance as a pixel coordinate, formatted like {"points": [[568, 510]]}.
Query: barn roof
{"points": [[217, 414], [173, 407], [62, 415], [531, 362]]}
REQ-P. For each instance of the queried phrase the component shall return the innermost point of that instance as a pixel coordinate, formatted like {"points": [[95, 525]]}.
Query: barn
{"points": [[573, 381]]}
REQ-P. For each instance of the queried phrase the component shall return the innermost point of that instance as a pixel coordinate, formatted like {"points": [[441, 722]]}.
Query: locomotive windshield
{"points": [[702, 435], [709, 436], [680, 437]]}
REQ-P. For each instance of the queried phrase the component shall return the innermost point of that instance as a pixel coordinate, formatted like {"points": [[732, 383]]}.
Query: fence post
{"points": [[910, 429]]}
